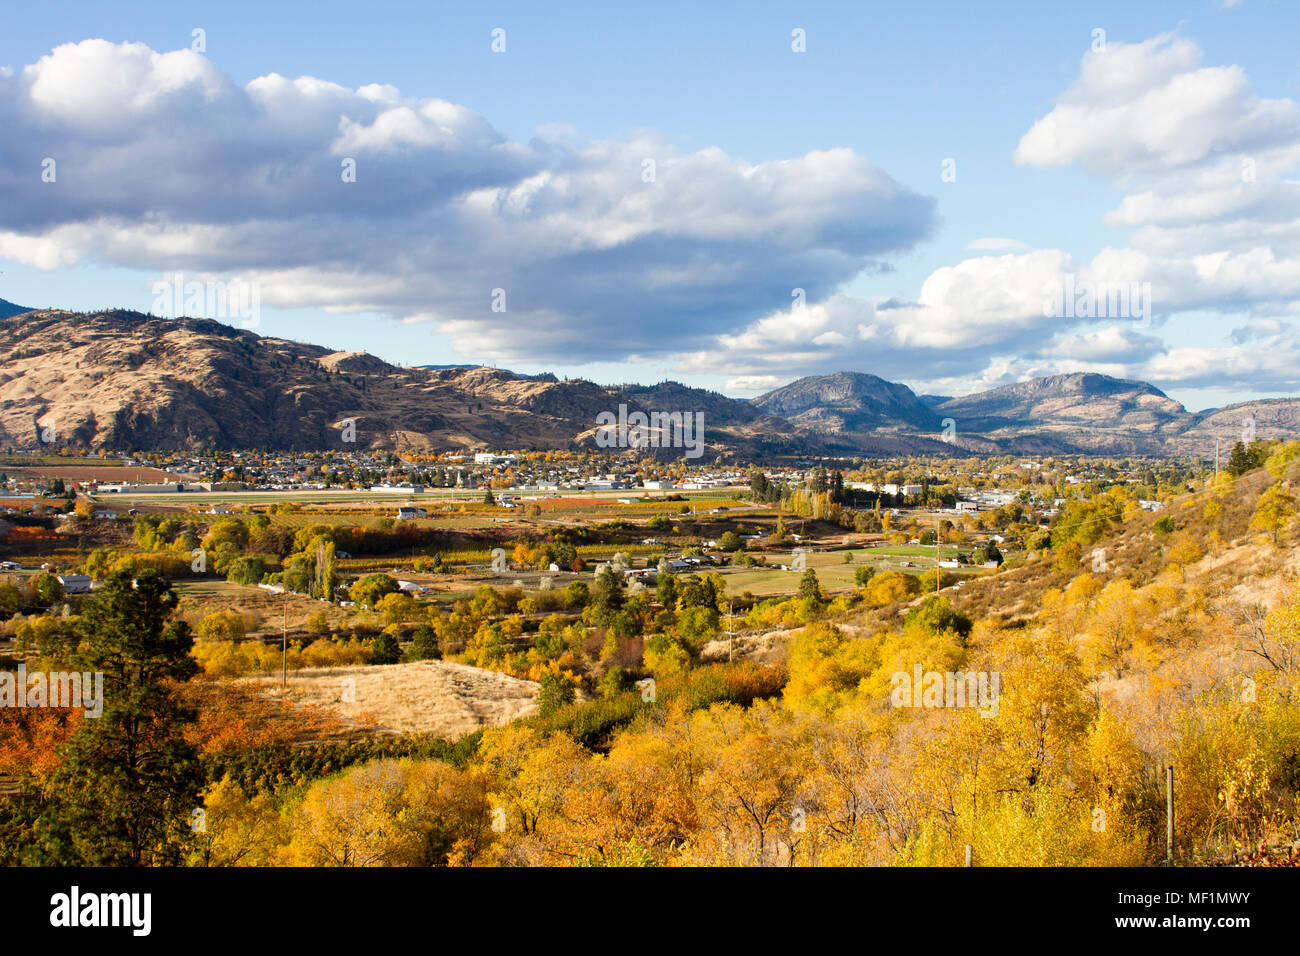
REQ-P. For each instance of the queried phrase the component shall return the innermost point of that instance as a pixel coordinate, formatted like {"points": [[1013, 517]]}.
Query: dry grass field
{"points": [[435, 697]]}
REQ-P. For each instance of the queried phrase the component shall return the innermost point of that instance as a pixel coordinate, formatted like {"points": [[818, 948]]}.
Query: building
{"points": [[75, 583], [409, 512], [911, 490]]}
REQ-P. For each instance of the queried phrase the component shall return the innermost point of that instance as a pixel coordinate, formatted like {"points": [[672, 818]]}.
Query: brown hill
{"points": [[126, 380]]}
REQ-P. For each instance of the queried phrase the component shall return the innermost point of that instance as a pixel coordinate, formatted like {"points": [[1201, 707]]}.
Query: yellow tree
{"points": [[1273, 512]]}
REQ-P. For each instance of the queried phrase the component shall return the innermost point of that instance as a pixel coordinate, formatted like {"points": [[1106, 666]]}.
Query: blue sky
{"points": [[895, 89]]}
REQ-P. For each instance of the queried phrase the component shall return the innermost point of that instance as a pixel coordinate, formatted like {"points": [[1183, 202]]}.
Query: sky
{"points": [[951, 195]]}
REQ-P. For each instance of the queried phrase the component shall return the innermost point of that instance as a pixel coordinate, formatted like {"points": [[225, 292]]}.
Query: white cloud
{"points": [[1207, 172], [163, 163]]}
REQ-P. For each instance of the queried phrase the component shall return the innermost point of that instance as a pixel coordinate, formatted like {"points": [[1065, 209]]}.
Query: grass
{"points": [[436, 697]]}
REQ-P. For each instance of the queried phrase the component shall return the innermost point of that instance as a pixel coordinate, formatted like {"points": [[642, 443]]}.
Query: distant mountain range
{"points": [[122, 380]]}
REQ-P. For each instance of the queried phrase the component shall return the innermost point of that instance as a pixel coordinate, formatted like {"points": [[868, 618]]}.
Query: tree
{"points": [[128, 780], [556, 692], [246, 570], [368, 590], [608, 598], [809, 586], [384, 649], [221, 626], [576, 595], [730, 541], [46, 588], [936, 615], [863, 574], [1243, 459], [398, 607], [1273, 512], [424, 645]]}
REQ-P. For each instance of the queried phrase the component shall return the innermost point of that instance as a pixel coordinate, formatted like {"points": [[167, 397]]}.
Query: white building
{"points": [[74, 583]]}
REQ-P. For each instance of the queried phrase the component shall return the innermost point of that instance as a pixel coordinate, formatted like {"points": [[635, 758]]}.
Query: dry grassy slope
{"points": [[437, 697], [122, 379], [1137, 553]]}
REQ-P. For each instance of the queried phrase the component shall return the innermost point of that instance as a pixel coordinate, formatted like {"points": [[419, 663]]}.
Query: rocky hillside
{"points": [[127, 380], [1086, 410], [1059, 414]]}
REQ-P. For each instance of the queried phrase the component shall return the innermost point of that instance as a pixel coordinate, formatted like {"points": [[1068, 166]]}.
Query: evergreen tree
{"points": [[809, 586], [128, 780]]}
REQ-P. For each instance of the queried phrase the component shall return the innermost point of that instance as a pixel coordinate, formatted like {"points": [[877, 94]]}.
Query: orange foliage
{"points": [[30, 739]]}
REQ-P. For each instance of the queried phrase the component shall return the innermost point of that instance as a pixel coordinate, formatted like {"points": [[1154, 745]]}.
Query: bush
{"points": [[221, 626]]}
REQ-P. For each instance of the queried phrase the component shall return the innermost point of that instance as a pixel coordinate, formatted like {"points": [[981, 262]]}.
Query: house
{"points": [[74, 583]]}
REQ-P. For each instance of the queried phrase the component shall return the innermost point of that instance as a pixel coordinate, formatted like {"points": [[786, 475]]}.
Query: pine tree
{"points": [[128, 780]]}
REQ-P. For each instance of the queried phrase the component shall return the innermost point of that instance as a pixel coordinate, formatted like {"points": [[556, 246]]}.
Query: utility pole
{"points": [[1169, 815], [731, 635], [937, 570], [284, 646]]}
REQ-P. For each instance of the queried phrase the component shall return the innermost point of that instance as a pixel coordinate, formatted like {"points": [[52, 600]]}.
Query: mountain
{"points": [[125, 380], [848, 402], [1085, 410], [7, 309]]}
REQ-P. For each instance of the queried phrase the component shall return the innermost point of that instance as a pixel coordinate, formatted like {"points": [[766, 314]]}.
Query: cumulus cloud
{"points": [[164, 163], [1205, 168]]}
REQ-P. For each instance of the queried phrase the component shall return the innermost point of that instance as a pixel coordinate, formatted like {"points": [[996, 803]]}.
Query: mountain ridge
{"points": [[122, 379]]}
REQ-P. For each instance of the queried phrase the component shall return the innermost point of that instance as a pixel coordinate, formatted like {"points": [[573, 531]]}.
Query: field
{"points": [[833, 572], [109, 471], [435, 697]]}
